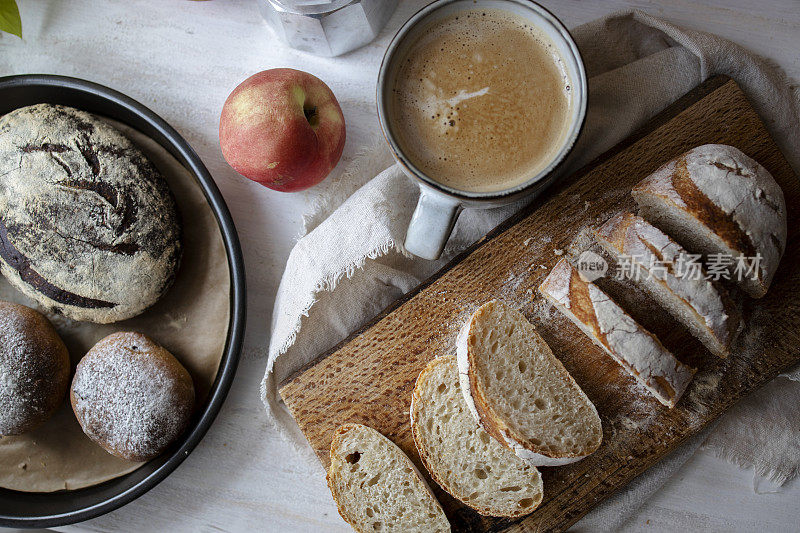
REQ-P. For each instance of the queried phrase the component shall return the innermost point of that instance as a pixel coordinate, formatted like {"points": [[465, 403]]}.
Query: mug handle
{"points": [[431, 224]]}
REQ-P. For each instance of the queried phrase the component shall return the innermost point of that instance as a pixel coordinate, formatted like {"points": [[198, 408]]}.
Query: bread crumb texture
{"points": [[377, 488], [526, 391], [463, 458]]}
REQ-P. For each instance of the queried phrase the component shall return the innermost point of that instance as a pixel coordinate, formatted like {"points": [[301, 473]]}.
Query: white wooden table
{"points": [[181, 59]]}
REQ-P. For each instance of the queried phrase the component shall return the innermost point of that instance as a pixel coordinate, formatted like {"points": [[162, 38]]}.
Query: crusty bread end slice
{"points": [[377, 487], [520, 393], [635, 349], [701, 305], [461, 457]]}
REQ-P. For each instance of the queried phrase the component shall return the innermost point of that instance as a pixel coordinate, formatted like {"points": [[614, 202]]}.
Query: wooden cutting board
{"points": [[369, 377]]}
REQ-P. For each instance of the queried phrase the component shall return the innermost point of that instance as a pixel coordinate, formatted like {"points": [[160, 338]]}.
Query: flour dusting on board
{"points": [[747, 348]]}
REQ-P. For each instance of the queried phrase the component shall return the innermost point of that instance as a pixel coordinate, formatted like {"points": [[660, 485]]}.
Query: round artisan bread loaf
{"points": [[131, 396], [88, 227], [34, 369]]}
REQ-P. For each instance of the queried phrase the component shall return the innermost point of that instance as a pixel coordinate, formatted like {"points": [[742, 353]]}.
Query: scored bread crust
{"points": [[334, 470], [727, 198], [417, 401], [492, 423], [707, 307], [89, 226], [634, 348]]}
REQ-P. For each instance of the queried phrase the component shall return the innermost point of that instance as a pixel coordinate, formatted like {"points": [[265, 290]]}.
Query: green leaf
{"points": [[9, 18]]}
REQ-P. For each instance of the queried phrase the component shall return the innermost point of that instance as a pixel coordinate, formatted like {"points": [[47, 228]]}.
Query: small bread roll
{"points": [[131, 396], [34, 369]]}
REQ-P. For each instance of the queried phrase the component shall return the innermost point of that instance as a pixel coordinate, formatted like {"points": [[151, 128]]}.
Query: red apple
{"points": [[282, 128]]}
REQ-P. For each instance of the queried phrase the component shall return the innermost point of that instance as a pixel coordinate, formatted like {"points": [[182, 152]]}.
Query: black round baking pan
{"points": [[25, 509]]}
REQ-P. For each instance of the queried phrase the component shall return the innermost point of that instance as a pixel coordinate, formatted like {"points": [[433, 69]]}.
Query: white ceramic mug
{"points": [[439, 205]]}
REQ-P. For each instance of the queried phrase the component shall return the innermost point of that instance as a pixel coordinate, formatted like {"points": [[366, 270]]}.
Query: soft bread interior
{"points": [[377, 488], [527, 388], [692, 235], [465, 460], [685, 314]]}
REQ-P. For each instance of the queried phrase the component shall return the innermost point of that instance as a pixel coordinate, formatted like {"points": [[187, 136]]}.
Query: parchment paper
{"points": [[191, 321]]}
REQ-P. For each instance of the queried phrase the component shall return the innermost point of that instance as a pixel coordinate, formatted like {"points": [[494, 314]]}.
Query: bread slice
{"points": [[461, 457], [637, 350], [520, 393], [715, 200], [662, 268], [378, 488]]}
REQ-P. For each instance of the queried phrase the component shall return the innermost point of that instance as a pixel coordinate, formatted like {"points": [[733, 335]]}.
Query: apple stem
{"points": [[311, 115]]}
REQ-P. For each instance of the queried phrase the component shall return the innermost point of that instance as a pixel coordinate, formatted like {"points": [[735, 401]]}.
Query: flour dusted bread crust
{"points": [[377, 488], [520, 393], [716, 200], [460, 456], [635, 349], [88, 227], [34, 369], [661, 267], [131, 396]]}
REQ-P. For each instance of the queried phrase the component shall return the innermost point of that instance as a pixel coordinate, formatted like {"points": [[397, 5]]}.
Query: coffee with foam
{"points": [[481, 102]]}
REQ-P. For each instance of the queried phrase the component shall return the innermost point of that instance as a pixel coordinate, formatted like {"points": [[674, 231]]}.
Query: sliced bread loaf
{"points": [[715, 200], [637, 350], [520, 393], [662, 268], [378, 488], [461, 457]]}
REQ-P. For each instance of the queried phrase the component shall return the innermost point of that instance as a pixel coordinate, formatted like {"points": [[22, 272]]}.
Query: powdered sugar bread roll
{"points": [[34, 369], [131, 396], [715, 200], [520, 393]]}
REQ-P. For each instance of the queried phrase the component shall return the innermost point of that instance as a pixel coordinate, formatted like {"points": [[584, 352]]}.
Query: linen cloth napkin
{"points": [[350, 264]]}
